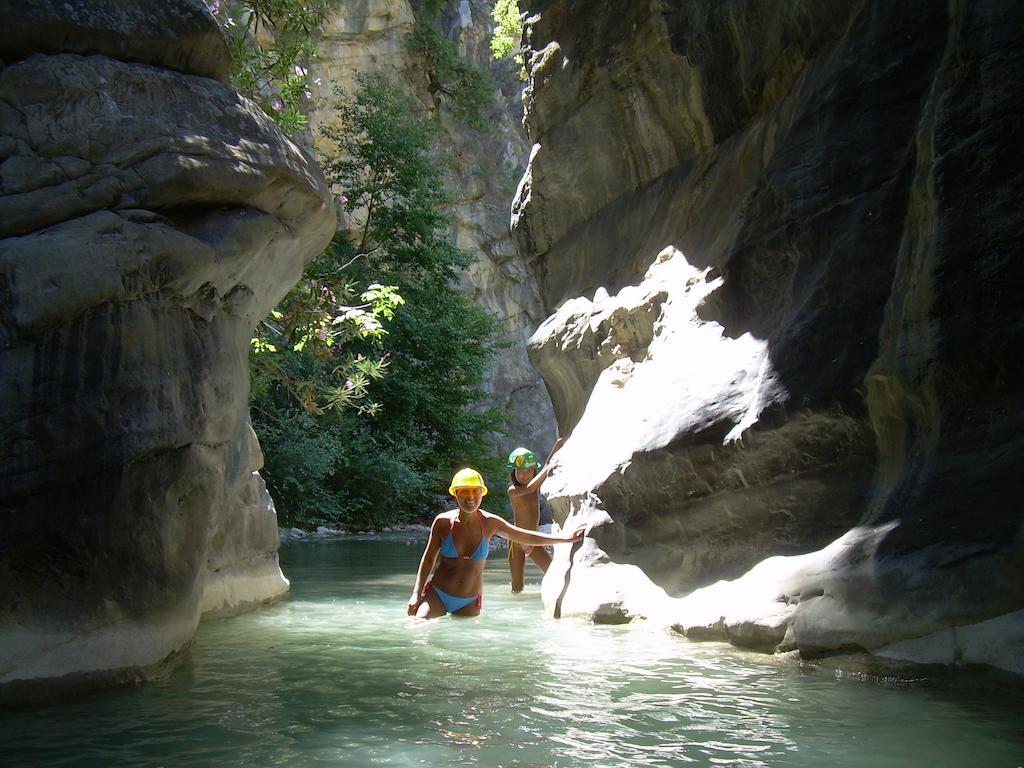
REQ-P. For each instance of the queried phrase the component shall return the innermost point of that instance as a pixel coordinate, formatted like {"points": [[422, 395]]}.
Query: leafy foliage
{"points": [[442, 344], [318, 320], [310, 385], [270, 42], [365, 406], [508, 33], [467, 89], [508, 29]]}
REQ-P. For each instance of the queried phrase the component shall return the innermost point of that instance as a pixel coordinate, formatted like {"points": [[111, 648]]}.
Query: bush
{"points": [[466, 88]]}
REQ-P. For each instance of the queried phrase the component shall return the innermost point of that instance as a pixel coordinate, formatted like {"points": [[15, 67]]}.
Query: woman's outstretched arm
{"points": [[501, 527]]}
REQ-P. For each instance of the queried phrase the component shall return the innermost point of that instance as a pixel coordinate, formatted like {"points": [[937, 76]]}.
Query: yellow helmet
{"points": [[467, 478]]}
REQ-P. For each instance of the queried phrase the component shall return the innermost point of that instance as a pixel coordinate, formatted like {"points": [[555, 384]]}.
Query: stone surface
{"points": [[997, 642], [664, 406], [372, 37], [364, 36], [148, 219], [484, 181], [598, 589], [583, 582], [783, 603], [846, 173], [242, 570], [175, 35]]}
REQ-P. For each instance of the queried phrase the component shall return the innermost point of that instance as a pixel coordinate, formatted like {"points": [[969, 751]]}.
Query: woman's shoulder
{"points": [[489, 517], [444, 520]]}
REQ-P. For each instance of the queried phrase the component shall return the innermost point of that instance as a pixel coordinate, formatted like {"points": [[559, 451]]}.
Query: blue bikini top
{"points": [[480, 553]]}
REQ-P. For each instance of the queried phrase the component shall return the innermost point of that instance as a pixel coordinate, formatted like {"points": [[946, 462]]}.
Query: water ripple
{"points": [[337, 675]]}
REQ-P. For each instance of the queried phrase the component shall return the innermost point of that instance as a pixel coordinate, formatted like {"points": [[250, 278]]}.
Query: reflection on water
{"points": [[337, 675]]}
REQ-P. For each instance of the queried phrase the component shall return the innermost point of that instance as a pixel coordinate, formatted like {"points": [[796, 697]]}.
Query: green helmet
{"points": [[523, 458]]}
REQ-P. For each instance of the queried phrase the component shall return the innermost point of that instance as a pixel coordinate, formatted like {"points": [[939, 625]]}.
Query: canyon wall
{"points": [[149, 218], [779, 246], [485, 164]]}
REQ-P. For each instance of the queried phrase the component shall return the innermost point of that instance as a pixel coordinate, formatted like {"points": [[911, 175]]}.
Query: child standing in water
{"points": [[524, 496]]}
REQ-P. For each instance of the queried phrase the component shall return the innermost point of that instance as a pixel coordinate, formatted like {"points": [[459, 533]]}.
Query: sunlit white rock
{"points": [[663, 371], [583, 582]]}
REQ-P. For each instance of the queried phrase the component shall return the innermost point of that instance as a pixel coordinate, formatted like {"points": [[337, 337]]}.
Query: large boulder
{"points": [[782, 604], [826, 358], [664, 407], [149, 218], [175, 35]]}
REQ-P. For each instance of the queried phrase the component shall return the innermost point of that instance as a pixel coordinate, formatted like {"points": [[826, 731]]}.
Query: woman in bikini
{"points": [[461, 537]]}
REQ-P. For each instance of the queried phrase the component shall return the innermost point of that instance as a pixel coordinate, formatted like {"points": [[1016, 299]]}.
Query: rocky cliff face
{"points": [[485, 181], [373, 37], [149, 217], [822, 365]]}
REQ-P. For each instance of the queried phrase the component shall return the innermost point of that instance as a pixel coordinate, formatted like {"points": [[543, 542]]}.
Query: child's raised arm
{"points": [[538, 479]]}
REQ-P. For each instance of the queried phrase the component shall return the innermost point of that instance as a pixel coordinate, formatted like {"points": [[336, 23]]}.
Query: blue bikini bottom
{"points": [[452, 603]]}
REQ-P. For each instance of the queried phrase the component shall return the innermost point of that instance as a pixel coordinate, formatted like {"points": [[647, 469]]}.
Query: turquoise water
{"points": [[337, 675]]}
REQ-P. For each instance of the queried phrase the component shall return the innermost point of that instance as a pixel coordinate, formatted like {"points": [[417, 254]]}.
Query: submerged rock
{"points": [[149, 218], [805, 413]]}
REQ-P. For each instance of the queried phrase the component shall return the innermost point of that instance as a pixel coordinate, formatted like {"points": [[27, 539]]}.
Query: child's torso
{"points": [[526, 510]]}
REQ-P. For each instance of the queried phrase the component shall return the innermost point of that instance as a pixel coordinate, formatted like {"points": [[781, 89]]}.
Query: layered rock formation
{"points": [[670, 405], [822, 366], [372, 37], [149, 217]]}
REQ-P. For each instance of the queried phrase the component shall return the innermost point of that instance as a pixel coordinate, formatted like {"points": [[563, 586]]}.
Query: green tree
{"points": [[365, 448], [310, 384], [508, 33], [466, 88], [317, 321], [440, 345]]}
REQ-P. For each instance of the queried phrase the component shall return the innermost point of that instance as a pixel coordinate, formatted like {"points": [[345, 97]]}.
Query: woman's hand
{"points": [[577, 535], [414, 603]]}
